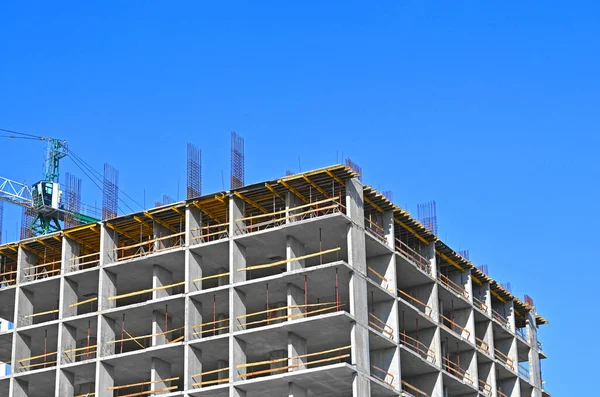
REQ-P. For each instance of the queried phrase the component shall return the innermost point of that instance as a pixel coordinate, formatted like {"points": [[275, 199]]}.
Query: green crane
{"points": [[44, 198]]}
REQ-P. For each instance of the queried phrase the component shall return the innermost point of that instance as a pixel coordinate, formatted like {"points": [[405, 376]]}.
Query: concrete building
{"points": [[309, 285]]}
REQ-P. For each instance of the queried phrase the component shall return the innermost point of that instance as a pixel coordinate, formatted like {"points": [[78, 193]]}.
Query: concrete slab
{"points": [[321, 332], [327, 381]]}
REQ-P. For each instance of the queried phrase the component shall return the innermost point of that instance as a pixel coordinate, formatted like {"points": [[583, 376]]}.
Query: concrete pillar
{"points": [[237, 356], [69, 296], [107, 288], [160, 278], [106, 334], [193, 359], [65, 384], [237, 307], [193, 269], [296, 347], [25, 262], [24, 307], [70, 250], [358, 287], [534, 356], [105, 378], [237, 260], [193, 314], [193, 221], [388, 226], [159, 232], [291, 201], [159, 371], [294, 249], [295, 297], [20, 388], [296, 391], [21, 350], [108, 243], [68, 341], [236, 211], [158, 327]]}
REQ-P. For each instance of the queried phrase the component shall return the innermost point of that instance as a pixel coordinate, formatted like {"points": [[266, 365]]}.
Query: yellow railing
{"points": [[455, 369], [457, 289], [45, 363], [485, 388], [407, 386], [383, 376], [504, 359], [384, 281], [381, 325], [427, 310], [418, 347], [417, 259], [287, 360], [501, 319], [320, 308], [479, 304], [212, 381], [482, 345], [453, 326]]}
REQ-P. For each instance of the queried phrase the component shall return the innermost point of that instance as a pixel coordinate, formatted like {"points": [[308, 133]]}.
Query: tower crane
{"points": [[45, 196]]}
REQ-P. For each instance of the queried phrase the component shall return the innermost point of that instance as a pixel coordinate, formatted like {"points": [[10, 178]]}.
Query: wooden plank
{"points": [[298, 258]]}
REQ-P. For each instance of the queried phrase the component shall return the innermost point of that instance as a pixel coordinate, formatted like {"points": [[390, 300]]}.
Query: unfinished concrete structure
{"points": [[310, 285]]}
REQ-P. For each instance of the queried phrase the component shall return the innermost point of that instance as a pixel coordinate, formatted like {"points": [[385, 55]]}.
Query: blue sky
{"points": [[489, 109]]}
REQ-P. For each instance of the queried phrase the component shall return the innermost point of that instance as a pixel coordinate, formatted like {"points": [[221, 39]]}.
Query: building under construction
{"points": [[309, 285]]}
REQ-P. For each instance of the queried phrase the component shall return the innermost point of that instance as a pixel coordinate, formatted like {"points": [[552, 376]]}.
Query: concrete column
{"points": [[65, 385], [237, 356], [70, 249], [69, 296], [159, 371], [358, 287], [388, 226], [68, 341], [237, 260], [24, 307], [107, 288], [291, 201], [193, 314], [237, 307], [488, 300], [108, 243], [193, 221], [158, 327], [25, 261], [106, 333], [294, 249], [511, 316], [193, 358], [295, 296], [105, 378], [193, 270], [236, 211], [296, 347], [20, 388], [160, 278], [22, 349], [296, 391], [534, 356], [160, 232]]}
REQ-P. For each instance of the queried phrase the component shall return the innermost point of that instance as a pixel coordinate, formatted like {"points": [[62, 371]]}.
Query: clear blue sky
{"points": [[489, 109]]}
